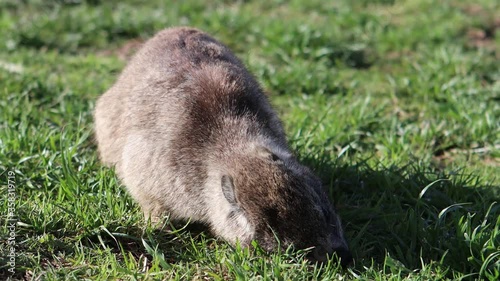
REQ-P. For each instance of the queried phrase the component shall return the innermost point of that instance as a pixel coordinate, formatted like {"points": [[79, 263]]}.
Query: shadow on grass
{"points": [[134, 247], [170, 243], [399, 217]]}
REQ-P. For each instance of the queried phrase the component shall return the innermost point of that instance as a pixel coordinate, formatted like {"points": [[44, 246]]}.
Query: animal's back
{"points": [[174, 73]]}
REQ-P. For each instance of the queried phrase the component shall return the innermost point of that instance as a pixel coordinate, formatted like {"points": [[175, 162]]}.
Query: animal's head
{"points": [[274, 200]]}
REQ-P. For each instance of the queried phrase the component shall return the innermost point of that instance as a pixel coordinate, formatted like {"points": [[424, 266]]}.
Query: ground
{"points": [[395, 104]]}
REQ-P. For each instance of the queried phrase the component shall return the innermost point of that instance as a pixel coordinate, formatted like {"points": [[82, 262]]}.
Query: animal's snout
{"points": [[344, 254], [320, 254]]}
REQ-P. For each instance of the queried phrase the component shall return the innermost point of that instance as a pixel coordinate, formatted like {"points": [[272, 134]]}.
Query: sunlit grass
{"points": [[394, 104]]}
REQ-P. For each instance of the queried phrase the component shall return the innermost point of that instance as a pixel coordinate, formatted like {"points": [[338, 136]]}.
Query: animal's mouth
{"points": [[316, 254], [345, 256], [320, 255]]}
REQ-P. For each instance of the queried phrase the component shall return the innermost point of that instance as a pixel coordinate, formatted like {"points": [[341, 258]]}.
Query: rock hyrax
{"points": [[192, 134]]}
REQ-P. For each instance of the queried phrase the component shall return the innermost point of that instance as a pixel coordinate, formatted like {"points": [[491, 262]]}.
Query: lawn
{"points": [[395, 104]]}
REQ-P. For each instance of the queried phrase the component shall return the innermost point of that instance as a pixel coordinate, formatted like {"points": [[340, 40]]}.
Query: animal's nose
{"points": [[345, 256], [320, 254]]}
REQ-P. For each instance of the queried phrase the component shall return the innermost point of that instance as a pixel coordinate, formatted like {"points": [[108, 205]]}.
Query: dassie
{"points": [[192, 134]]}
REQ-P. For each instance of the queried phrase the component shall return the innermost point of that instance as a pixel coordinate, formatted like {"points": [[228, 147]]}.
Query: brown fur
{"points": [[192, 134]]}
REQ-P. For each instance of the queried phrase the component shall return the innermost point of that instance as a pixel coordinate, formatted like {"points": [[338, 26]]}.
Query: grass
{"points": [[395, 104]]}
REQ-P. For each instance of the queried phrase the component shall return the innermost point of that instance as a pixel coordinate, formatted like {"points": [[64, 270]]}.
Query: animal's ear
{"points": [[227, 185], [266, 153]]}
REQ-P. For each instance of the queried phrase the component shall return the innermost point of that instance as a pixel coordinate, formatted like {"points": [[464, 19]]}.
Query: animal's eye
{"points": [[275, 157]]}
